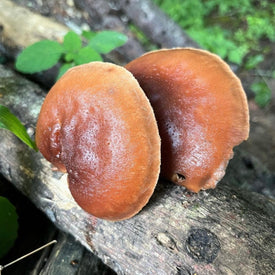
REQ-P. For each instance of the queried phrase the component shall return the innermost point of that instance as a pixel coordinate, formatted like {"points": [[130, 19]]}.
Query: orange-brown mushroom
{"points": [[97, 124], [201, 110]]}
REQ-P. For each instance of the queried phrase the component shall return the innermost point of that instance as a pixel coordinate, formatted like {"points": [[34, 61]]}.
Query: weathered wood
{"points": [[158, 27], [214, 232], [71, 258], [67, 256], [20, 27]]}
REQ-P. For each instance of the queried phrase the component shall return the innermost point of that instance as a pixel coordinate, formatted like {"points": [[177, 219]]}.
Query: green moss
{"points": [[231, 29]]}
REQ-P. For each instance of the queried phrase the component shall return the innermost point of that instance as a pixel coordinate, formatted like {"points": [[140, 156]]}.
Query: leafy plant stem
{"points": [[10, 122]]}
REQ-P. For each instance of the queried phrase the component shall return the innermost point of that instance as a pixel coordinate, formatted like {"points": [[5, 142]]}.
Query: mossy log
{"points": [[220, 231]]}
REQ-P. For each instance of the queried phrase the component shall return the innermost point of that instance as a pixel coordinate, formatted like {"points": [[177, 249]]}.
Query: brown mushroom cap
{"points": [[201, 110], [97, 124]]}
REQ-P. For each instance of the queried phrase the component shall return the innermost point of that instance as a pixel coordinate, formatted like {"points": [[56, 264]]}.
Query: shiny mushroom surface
{"points": [[97, 125], [201, 110]]}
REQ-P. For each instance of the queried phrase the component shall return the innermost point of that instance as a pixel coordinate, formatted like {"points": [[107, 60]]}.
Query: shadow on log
{"points": [[217, 231]]}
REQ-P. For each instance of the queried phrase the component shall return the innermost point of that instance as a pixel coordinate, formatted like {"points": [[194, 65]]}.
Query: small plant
{"points": [[231, 29], [142, 38], [10, 122], [262, 93], [45, 54]]}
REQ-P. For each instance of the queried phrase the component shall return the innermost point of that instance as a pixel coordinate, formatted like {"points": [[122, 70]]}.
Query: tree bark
{"points": [[20, 27], [219, 231], [158, 27]]}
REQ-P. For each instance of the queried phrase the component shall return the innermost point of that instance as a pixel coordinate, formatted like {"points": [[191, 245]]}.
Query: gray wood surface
{"points": [[144, 14], [20, 27], [25, 26], [67, 256], [71, 258], [218, 231]]}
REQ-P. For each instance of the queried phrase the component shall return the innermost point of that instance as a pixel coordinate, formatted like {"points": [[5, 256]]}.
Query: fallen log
{"points": [[20, 27], [67, 256], [151, 20], [217, 231], [158, 27], [70, 257]]}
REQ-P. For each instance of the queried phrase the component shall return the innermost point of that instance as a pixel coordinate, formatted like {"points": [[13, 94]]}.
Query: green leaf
{"points": [[64, 68], [86, 55], [106, 41], [88, 34], [236, 55], [69, 57], [10, 122], [253, 61], [72, 42], [262, 93], [39, 56], [8, 226]]}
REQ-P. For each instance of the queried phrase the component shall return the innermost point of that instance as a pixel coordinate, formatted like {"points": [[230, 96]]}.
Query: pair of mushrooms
{"points": [[109, 127]]}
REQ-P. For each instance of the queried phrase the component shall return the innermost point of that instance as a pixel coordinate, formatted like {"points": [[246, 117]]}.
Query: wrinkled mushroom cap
{"points": [[97, 124], [201, 110]]}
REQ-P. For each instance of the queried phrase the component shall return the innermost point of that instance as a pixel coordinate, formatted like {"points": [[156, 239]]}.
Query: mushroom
{"points": [[201, 110], [97, 125]]}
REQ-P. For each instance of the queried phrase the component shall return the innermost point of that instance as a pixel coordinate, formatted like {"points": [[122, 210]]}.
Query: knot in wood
{"points": [[202, 245], [165, 240], [74, 262]]}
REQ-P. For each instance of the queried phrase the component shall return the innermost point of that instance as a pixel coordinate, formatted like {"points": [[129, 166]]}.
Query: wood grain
{"points": [[20, 27]]}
